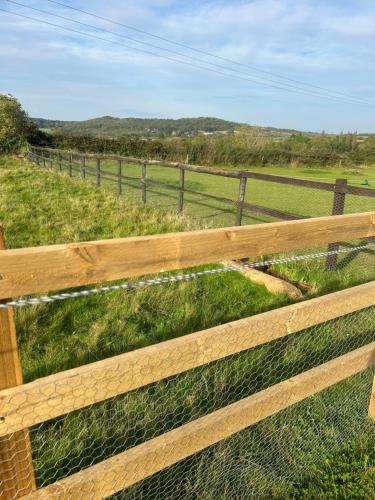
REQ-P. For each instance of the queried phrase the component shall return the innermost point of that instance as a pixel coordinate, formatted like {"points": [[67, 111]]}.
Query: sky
{"points": [[66, 75]]}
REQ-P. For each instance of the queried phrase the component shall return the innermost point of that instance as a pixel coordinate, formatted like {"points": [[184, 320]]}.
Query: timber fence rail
{"points": [[29, 410]]}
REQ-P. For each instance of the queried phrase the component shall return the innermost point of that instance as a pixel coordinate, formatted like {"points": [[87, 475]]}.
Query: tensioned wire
{"points": [[131, 285]]}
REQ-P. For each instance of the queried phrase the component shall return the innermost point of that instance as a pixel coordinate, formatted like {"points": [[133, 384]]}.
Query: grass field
{"points": [[40, 207], [292, 199]]}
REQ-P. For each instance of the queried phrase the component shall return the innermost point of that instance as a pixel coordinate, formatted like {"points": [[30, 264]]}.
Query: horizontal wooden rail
{"points": [[70, 390], [40, 269], [128, 468]]}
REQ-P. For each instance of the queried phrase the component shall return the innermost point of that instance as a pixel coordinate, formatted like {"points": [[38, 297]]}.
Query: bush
{"points": [[16, 128]]}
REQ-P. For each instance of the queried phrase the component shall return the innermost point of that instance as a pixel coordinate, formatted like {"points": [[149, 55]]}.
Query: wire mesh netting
{"points": [[67, 434], [268, 458]]}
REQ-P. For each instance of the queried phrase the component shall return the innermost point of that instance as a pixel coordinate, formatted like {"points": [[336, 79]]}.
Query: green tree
{"points": [[15, 125]]}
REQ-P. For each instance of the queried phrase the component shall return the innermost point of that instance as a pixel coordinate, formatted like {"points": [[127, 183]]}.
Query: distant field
{"points": [[41, 207], [292, 199]]}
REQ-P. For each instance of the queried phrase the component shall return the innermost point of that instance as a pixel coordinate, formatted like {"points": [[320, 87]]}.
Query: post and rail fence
{"points": [[340, 189], [28, 271]]}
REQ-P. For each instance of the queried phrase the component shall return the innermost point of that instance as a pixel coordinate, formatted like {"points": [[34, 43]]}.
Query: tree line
{"points": [[245, 147]]}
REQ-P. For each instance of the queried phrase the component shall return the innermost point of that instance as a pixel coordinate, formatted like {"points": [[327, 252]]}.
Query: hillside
{"points": [[150, 127]]}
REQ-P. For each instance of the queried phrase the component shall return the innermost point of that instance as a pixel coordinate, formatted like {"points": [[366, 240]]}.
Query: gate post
{"points": [[16, 466]]}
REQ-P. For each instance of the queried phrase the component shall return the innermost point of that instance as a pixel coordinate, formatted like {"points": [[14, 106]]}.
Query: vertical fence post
{"points": [[83, 167], [143, 182], [59, 156], [16, 469], [98, 171], [119, 177], [181, 189], [51, 158], [337, 209], [241, 199], [371, 410], [44, 159], [70, 164]]}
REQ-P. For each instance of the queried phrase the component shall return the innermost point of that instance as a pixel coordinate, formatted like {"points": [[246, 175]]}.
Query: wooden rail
{"points": [[127, 468], [69, 390], [41, 269]]}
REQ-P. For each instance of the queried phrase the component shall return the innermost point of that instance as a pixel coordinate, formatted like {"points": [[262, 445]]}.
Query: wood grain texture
{"points": [[371, 409], [16, 468], [66, 391], [127, 468], [47, 268]]}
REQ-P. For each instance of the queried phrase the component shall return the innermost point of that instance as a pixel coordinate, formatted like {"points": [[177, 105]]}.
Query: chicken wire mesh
{"points": [[265, 459]]}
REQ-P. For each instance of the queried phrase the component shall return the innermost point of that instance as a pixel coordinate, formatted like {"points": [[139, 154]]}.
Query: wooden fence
{"points": [[76, 162], [47, 268]]}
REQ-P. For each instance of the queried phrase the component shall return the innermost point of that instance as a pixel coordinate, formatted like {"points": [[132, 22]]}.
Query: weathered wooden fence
{"points": [[47, 268], [76, 162]]}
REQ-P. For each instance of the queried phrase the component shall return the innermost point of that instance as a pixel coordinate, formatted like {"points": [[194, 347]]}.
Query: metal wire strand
{"points": [[46, 299]]}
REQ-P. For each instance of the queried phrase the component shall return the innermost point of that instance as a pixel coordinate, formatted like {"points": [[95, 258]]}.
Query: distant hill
{"points": [[110, 126]]}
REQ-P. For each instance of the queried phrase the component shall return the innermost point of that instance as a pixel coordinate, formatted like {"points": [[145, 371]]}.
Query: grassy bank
{"points": [[40, 207]]}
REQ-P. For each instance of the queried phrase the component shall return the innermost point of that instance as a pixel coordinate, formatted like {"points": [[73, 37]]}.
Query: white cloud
{"points": [[324, 42]]}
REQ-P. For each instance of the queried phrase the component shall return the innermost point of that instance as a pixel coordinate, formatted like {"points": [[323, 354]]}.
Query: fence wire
{"points": [[268, 459], [255, 463]]}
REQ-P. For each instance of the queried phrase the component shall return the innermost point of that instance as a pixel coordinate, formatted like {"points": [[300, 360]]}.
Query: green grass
{"points": [[296, 200], [274, 457]]}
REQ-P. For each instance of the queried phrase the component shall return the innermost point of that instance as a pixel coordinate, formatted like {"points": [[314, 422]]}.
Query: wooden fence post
{"points": [[16, 466], [181, 189], [83, 167], [70, 165], [98, 172], [371, 409], [60, 160], [143, 182], [241, 199], [337, 209], [119, 177]]}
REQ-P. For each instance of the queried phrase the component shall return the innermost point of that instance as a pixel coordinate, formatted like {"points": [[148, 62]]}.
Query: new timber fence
{"points": [[231, 410]]}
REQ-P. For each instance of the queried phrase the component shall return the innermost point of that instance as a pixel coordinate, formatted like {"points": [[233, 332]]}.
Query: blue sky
{"points": [[63, 75]]}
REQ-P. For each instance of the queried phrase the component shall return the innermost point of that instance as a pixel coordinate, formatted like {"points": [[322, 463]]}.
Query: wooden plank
{"points": [[240, 200], [128, 468], [98, 173], [371, 409], [119, 177], [73, 389], [41, 269], [181, 188], [280, 179], [360, 191], [273, 212], [338, 208], [144, 182], [16, 470]]}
